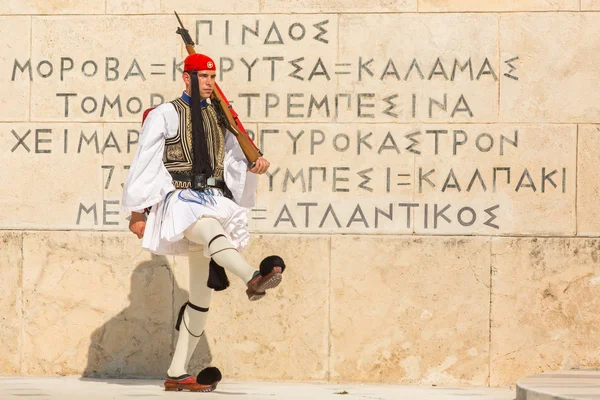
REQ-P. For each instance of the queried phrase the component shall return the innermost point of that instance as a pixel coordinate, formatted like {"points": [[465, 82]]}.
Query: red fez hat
{"points": [[199, 62]]}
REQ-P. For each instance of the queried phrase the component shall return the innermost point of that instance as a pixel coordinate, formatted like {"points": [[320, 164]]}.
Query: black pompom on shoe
{"points": [[267, 265], [209, 376]]}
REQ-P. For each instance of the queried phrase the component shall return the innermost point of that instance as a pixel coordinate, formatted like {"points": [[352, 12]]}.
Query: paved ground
{"points": [[73, 388], [576, 384]]}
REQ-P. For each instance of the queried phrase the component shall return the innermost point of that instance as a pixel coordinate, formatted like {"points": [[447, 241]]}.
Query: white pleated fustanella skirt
{"points": [[181, 208]]}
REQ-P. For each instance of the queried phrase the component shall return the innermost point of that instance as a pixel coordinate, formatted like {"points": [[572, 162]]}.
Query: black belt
{"points": [[199, 181]]}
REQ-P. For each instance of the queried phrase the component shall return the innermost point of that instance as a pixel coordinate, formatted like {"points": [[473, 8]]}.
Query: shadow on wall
{"points": [[139, 341]]}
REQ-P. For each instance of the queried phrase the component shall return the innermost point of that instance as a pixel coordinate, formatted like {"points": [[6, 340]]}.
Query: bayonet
{"points": [[185, 35]]}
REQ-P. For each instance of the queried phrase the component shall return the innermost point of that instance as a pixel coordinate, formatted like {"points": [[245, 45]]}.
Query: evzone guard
{"points": [[194, 175]]}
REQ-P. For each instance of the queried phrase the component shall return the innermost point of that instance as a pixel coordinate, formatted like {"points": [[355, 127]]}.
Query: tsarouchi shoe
{"points": [[187, 382], [259, 283]]}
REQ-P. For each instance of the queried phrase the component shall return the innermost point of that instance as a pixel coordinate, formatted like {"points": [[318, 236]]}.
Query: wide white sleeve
{"points": [[148, 181], [242, 183]]}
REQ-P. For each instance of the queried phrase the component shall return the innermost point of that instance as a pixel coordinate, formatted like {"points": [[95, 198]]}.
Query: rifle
{"points": [[233, 123]]}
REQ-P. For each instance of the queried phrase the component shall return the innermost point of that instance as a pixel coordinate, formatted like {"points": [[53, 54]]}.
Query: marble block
{"points": [[95, 304], [497, 5], [410, 310], [588, 187], [544, 306], [15, 50], [11, 312], [553, 62]]}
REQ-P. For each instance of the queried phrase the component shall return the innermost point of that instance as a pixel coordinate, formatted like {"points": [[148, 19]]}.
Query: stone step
{"points": [[563, 385]]}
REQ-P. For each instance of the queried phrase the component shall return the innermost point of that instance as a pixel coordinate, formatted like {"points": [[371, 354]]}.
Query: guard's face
{"points": [[206, 82]]}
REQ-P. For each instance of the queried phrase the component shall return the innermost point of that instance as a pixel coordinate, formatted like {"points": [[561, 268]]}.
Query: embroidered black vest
{"points": [[178, 154]]}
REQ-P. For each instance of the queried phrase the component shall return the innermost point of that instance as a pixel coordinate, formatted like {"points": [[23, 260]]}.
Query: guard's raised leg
{"points": [[209, 232]]}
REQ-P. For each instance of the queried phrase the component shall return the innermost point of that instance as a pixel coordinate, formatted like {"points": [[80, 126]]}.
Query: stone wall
{"points": [[433, 186]]}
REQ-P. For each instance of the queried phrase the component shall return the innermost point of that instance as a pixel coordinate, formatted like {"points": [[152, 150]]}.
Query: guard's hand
{"points": [[137, 224], [261, 166]]}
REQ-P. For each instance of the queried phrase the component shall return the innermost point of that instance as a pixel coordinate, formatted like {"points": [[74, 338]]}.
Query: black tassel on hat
{"points": [[201, 163]]}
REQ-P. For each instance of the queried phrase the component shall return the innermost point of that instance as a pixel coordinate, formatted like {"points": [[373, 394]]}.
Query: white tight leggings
{"points": [[203, 231]]}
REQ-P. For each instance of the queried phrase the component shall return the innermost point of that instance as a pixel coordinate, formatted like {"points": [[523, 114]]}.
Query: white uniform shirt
{"points": [[149, 181]]}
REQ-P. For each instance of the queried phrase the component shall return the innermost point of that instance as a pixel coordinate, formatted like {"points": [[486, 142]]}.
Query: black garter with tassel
{"points": [[217, 277]]}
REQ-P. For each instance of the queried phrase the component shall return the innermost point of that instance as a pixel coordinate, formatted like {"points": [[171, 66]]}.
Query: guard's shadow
{"points": [[139, 341]]}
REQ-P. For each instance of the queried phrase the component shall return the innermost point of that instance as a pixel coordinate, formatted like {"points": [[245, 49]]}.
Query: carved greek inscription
{"points": [[360, 140], [314, 103], [365, 178]]}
